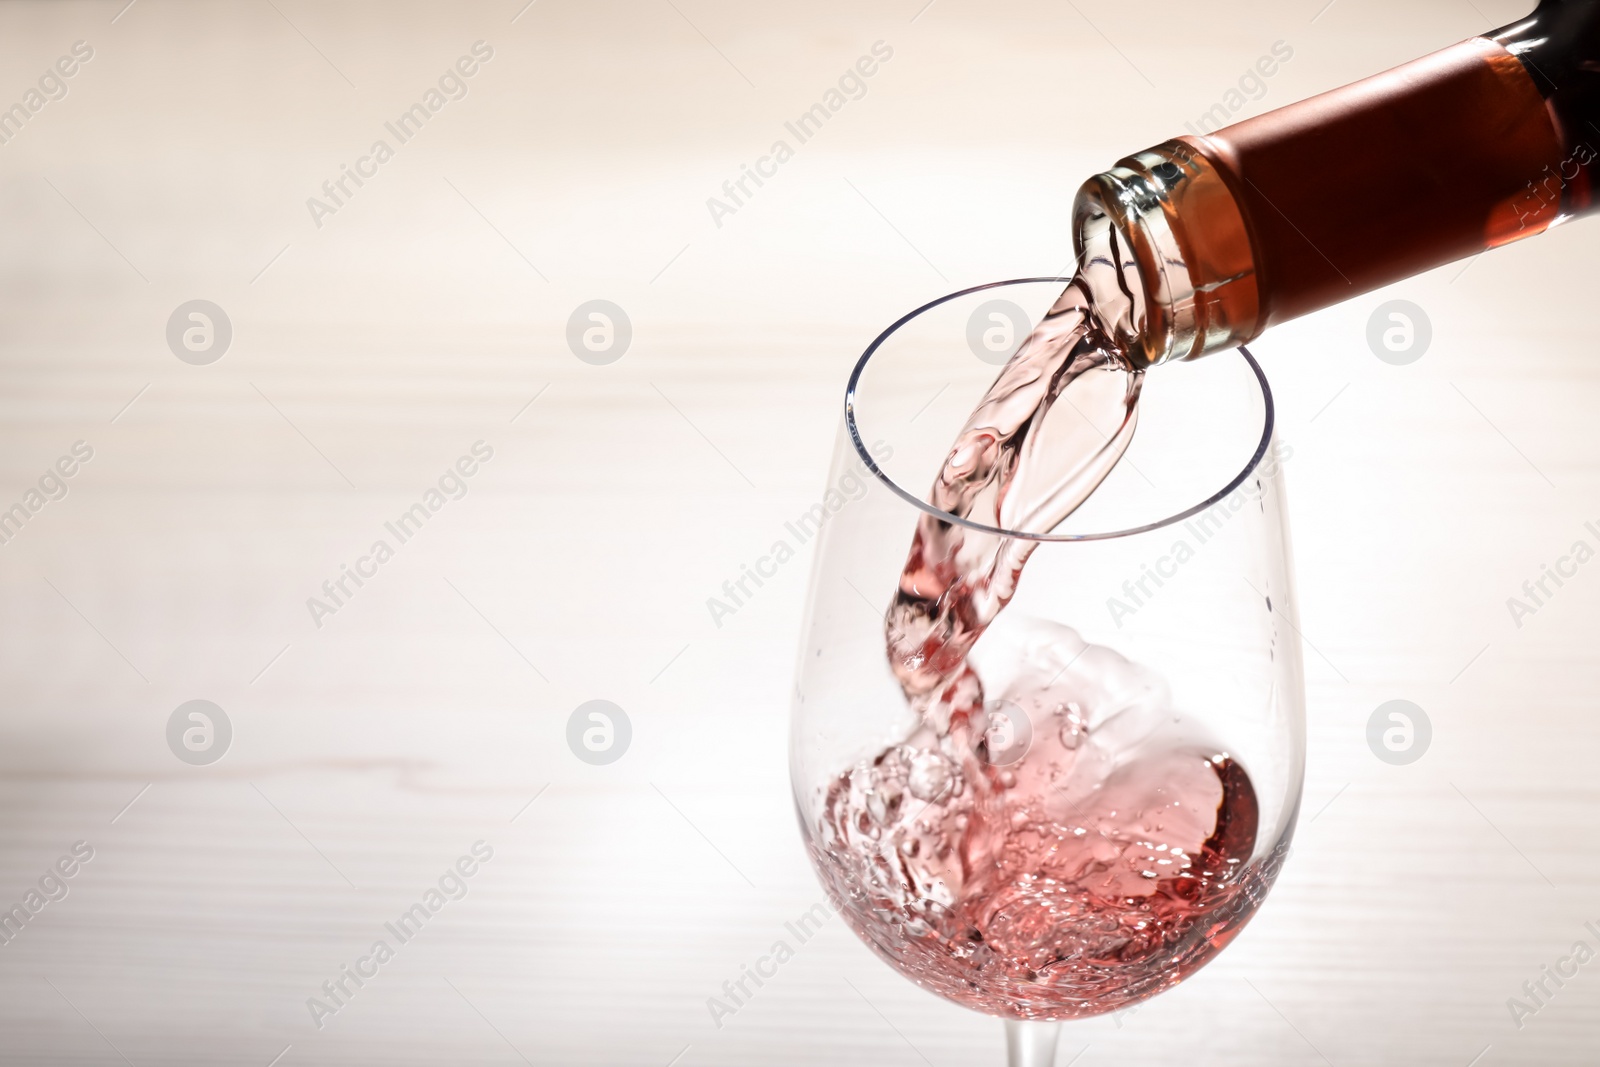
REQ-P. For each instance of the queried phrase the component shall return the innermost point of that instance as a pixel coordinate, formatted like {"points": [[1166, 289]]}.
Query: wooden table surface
{"points": [[377, 339]]}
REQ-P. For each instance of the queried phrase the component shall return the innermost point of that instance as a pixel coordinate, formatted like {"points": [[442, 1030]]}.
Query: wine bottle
{"points": [[1475, 146]]}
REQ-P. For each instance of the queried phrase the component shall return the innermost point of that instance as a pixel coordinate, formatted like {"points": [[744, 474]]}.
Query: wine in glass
{"points": [[1048, 735]]}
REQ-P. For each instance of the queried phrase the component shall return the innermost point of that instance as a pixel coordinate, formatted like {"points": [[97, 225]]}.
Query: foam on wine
{"points": [[1053, 839]]}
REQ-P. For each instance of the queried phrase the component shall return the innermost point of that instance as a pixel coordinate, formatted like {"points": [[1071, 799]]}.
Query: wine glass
{"points": [[1113, 808]]}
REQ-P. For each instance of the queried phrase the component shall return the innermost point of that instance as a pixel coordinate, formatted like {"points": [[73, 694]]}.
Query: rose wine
{"points": [[1053, 839], [1029, 454], [1068, 848]]}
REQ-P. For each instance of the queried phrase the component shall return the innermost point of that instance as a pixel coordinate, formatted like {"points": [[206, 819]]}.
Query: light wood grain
{"points": [[373, 751]]}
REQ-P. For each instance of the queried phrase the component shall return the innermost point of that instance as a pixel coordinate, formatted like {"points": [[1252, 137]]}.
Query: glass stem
{"points": [[1031, 1044]]}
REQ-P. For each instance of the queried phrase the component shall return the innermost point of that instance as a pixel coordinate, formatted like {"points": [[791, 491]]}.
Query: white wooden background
{"points": [[368, 354]]}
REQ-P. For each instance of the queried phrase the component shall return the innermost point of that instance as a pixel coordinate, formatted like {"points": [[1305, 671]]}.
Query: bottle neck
{"points": [[1559, 48], [1175, 233], [1230, 231]]}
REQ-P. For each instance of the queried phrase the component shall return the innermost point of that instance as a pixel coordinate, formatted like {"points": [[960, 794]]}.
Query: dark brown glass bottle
{"points": [[1478, 145]]}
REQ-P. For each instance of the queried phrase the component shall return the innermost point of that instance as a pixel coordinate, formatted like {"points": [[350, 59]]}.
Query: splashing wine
{"points": [[1053, 840]]}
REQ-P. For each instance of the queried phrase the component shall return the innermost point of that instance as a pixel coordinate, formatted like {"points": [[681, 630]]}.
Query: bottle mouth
{"points": [[1121, 232], [852, 408], [1179, 241]]}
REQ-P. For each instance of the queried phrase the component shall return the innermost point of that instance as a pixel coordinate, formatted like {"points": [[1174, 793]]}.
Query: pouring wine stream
{"points": [[1053, 839]]}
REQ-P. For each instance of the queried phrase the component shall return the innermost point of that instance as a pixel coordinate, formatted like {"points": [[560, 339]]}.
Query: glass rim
{"points": [[1268, 425]]}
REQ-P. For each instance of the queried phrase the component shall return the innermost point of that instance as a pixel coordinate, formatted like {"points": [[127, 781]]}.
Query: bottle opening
{"points": [[1181, 244]]}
